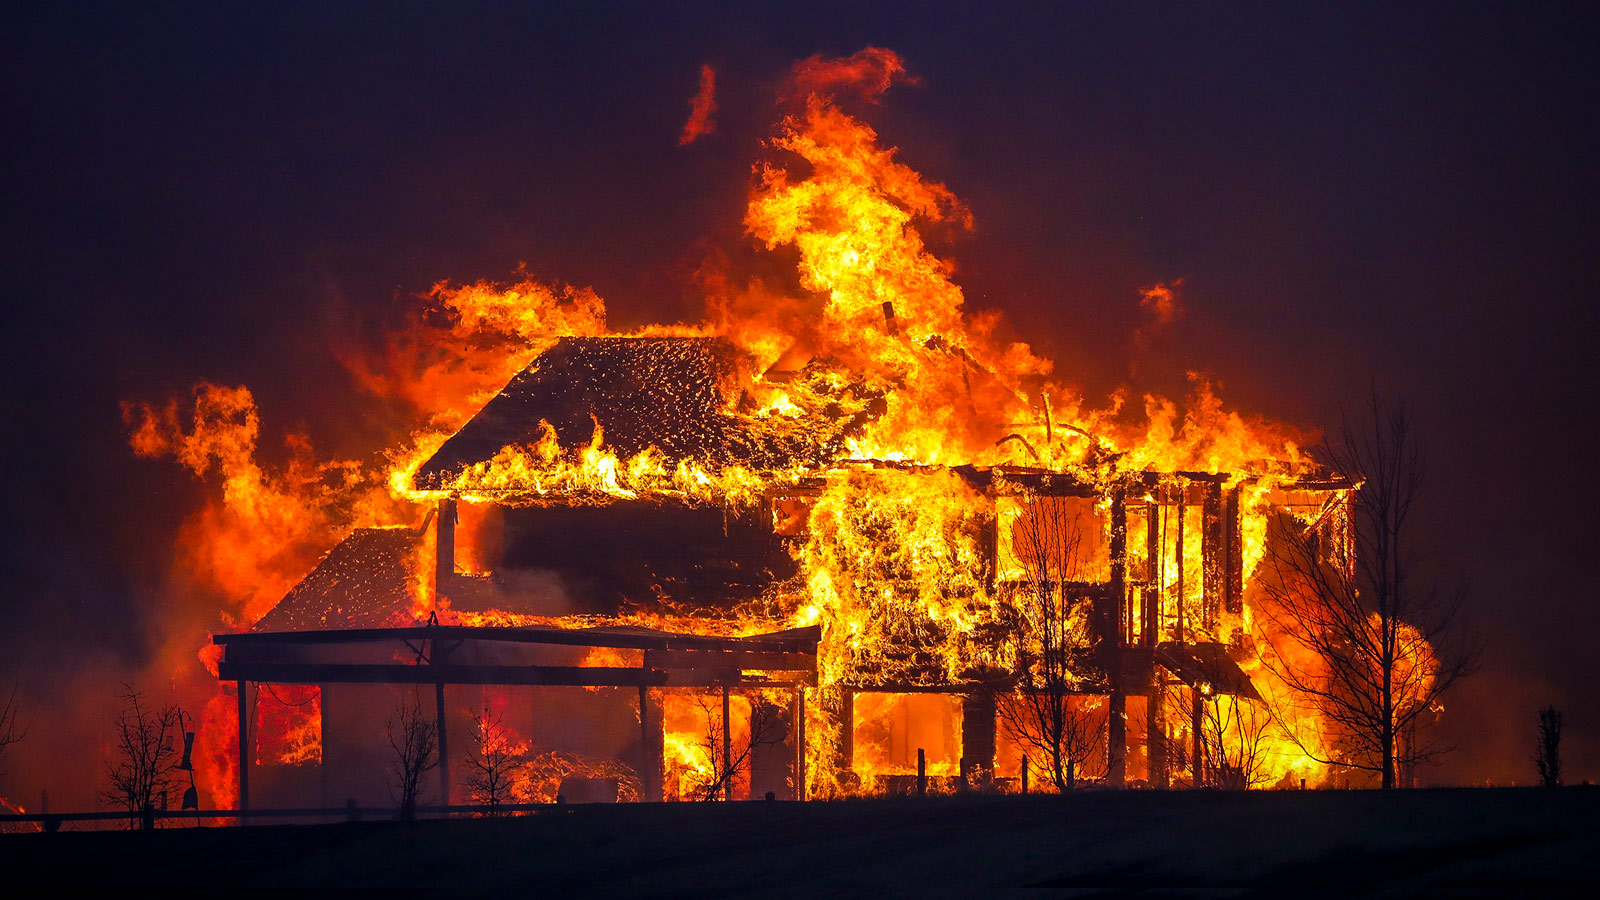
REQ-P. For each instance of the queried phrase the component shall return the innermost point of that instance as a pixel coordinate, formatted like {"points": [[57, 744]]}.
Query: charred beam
{"points": [[729, 659]]}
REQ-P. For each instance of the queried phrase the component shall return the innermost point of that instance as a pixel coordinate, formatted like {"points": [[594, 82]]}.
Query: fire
{"points": [[906, 400]]}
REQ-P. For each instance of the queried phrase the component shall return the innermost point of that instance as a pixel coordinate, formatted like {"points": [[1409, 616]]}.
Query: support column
{"points": [[444, 744], [800, 742], [1111, 644], [652, 747], [1233, 569], [977, 735], [1156, 732], [1211, 554], [1150, 612], [444, 550], [1183, 497], [244, 751], [727, 748], [845, 752], [1117, 740], [1197, 721]]}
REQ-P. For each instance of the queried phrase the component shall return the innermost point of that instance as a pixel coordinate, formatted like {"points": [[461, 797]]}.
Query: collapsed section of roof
{"points": [[677, 395], [1207, 667], [364, 582]]}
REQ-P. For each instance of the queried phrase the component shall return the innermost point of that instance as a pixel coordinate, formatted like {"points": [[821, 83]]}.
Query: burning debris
{"points": [[836, 540]]}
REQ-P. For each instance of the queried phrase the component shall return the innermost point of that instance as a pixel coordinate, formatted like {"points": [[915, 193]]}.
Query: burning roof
{"points": [[364, 582], [674, 400]]}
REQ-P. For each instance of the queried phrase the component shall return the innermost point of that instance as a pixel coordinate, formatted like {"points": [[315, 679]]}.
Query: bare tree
{"points": [[12, 728], [142, 775], [416, 746], [1547, 755], [1358, 630], [493, 769], [1044, 711], [1233, 739], [766, 729]]}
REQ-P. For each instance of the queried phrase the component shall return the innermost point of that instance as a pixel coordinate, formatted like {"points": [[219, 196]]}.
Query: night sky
{"points": [[1399, 197]]}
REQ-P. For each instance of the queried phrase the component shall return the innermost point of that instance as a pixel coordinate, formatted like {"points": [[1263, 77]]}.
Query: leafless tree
{"points": [[1044, 711], [416, 747], [1358, 629], [493, 768], [766, 729], [12, 728], [1547, 755], [1233, 738], [142, 773]]}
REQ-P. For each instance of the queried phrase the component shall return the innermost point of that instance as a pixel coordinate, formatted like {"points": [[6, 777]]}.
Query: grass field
{"points": [[1481, 842]]}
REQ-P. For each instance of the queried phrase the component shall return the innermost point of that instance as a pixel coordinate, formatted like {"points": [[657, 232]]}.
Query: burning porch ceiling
{"points": [[676, 395]]}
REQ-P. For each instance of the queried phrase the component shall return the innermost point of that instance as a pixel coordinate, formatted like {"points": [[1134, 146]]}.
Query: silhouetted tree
{"points": [[1233, 738], [12, 728], [766, 728], [1359, 631], [415, 745], [1547, 755], [142, 774], [1045, 711], [493, 768]]}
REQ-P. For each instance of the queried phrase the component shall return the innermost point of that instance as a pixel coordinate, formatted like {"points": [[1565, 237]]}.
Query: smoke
{"points": [[866, 74], [701, 109], [1161, 301]]}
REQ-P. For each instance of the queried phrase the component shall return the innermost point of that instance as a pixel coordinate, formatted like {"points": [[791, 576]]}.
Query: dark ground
{"points": [[1479, 842]]}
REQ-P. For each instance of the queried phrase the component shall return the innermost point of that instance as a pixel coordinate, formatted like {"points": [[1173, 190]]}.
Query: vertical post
{"points": [[1155, 545], [1211, 553], [1116, 717], [1156, 732], [651, 747], [444, 550], [977, 734], [846, 758], [1196, 722], [644, 741], [727, 747], [1117, 738], [244, 752], [799, 727], [1183, 497], [1024, 773], [922, 772], [1233, 579], [444, 746]]}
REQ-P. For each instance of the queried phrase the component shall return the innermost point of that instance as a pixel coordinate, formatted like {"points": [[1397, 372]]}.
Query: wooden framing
{"points": [[781, 659]]}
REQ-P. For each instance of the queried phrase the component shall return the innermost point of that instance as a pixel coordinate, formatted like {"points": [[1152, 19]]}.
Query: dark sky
{"points": [[1392, 195]]}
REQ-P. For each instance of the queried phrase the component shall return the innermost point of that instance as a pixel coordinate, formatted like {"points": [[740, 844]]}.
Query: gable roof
{"points": [[672, 393]]}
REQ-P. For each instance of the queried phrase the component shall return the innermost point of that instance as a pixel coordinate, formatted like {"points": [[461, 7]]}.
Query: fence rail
{"points": [[51, 822]]}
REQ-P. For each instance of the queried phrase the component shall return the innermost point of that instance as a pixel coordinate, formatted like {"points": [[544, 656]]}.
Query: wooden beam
{"points": [[353, 673], [730, 660], [797, 640]]}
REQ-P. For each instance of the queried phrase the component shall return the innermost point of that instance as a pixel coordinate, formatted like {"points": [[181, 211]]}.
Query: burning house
{"points": [[685, 549], [839, 538]]}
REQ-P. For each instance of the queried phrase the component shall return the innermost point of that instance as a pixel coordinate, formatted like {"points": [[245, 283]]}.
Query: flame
{"points": [[890, 533], [701, 109]]}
